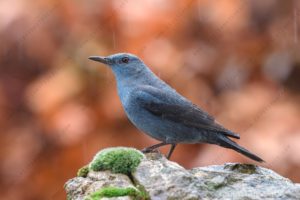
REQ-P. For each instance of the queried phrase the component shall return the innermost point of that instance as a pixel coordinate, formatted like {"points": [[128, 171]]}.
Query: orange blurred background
{"points": [[237, 59]]}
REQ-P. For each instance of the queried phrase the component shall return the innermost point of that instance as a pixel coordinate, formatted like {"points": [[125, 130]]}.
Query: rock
{"points": [[158, 178], [108, 175], [79, 187]]}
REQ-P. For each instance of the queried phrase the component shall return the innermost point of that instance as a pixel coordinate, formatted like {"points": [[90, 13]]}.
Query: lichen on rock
{"points": [[242, 168]]}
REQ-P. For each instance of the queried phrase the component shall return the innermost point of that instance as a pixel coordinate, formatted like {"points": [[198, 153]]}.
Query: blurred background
{"points": [[237, 59]]}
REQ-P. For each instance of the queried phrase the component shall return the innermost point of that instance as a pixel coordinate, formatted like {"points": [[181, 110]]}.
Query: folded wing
{"points": [[173, 107]]}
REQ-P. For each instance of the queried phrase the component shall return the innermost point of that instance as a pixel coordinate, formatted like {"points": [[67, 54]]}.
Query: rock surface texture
{"points": [[158, 178]]}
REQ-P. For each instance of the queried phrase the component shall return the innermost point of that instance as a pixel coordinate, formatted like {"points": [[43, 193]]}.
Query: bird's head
{"points": [[121, 63]]}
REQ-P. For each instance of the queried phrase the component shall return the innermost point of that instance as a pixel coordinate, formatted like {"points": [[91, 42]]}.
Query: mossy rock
{"points": [[118, 160]]}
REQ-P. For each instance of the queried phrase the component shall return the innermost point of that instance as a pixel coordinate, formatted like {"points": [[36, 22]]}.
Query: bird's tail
{"points": [[227, 143]]}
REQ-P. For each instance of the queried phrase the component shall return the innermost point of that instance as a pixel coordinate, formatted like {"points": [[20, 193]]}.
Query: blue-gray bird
{"points": [[158, 110]]}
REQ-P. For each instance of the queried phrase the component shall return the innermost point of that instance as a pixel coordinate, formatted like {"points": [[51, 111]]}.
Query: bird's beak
{"points": [[101, 59]]}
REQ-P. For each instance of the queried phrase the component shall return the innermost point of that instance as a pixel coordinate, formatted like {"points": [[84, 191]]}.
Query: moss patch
{"points": [[143, 192], [83, 171], [118, 160], [117, 192], [242, 168]]}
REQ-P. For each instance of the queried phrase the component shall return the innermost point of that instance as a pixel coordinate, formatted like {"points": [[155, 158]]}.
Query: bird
{"points": [[158, 110]]}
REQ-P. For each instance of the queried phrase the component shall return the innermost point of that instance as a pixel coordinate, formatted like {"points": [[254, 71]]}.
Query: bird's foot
{"points": [[153, 148]]}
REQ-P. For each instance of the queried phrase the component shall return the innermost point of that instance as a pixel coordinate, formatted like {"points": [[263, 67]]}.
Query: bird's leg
{"points": [[171, 151], [151, 148]]}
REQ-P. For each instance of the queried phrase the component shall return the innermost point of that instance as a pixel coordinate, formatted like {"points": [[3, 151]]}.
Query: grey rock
{"points": [[79, 188], [164, 179]]}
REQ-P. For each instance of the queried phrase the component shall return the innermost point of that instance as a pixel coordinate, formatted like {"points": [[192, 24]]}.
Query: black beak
{"points": [[101, 59]]}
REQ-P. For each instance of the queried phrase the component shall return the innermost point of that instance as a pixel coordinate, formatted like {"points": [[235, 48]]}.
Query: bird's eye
{"points": [[125, 60]]}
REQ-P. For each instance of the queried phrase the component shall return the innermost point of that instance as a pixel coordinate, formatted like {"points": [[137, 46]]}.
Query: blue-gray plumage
{"points": [[158, 110]]}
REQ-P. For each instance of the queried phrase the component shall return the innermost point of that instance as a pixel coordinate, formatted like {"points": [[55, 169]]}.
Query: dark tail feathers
{"points": [[227, 143]]}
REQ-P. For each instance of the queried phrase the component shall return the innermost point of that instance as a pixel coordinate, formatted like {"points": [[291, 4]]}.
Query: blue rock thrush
{"points": [[158, 110]]}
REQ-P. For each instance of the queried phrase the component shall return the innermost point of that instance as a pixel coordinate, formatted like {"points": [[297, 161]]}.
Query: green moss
{"points": [[143, 191], [117, 192], [242, 168], [118, 160], [214, 186], [69, 197], [83, 171]]}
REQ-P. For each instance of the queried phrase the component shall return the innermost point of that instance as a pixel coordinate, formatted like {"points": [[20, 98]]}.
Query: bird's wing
{"points": [[177, 109]]}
